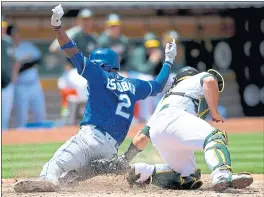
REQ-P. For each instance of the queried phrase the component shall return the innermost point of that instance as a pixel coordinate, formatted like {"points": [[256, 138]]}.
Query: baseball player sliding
{"points": [[177, 129], [108, 112]]}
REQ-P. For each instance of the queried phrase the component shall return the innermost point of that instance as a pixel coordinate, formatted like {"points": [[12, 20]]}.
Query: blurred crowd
{"points": [[20, 84], [21, 88]]}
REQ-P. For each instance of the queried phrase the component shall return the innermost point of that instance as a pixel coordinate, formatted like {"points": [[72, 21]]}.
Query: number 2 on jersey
{"points": [[124, 102]]}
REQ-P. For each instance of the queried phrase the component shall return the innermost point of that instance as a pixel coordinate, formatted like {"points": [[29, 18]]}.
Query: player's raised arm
{"points": [[161, 80], [67, 45], [152, 88]]}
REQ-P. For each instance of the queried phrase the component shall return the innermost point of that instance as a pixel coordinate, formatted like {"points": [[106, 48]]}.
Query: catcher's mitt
{"points": [[114, 165]]}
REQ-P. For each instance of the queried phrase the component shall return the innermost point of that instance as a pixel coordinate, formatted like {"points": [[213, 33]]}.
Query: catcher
{"points": [[177, 129]]}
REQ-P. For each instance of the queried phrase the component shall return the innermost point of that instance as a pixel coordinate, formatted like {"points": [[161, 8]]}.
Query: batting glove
{"points": [[170, 51], [56, 16]]}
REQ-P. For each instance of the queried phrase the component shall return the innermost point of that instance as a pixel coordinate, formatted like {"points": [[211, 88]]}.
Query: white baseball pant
{"points": [[78, 152], [176, 134]]}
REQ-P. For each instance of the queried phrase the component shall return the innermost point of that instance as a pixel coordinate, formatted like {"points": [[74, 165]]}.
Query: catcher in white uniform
{"points": [[177, 129]]}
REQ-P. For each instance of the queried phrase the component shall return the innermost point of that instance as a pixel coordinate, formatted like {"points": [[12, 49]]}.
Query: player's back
{"points": [[192, 87], [110, 106]]}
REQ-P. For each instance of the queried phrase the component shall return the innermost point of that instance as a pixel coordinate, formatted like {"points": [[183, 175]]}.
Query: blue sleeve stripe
{"points": [[68, 45], [84, 65], [150, 88]]}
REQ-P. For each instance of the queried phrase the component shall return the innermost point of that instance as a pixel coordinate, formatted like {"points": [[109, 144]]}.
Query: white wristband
{"points": [[169, 59]]}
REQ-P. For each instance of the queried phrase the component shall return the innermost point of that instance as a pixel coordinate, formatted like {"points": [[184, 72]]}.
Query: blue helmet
{"points": [[107, 58]]}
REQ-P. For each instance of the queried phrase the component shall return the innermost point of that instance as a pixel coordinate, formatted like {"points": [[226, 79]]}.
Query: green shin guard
{"points": [[215, 145], [222, 154]]}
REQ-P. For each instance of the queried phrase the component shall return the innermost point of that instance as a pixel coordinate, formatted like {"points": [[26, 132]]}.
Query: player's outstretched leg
{"points": [[47, 182], [218, 159], [72, 159], [63, 160], [163, 176]]}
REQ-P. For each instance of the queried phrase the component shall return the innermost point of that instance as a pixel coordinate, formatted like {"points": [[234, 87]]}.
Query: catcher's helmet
{"points": [[107, 58], [185, 72]]}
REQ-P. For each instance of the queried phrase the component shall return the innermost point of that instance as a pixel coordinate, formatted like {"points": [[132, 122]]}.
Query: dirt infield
{"points": [[117, 186], [240, 125]]}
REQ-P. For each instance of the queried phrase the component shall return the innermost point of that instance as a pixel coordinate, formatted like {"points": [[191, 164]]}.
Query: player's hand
{"points": [[56, 16], [216, 117], [170, 51]]}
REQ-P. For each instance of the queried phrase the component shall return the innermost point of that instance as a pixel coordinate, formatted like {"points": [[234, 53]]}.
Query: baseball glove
{"points": [[115, 165]]}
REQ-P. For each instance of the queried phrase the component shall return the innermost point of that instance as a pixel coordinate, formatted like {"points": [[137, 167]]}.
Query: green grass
{"points": [[247, 154]]}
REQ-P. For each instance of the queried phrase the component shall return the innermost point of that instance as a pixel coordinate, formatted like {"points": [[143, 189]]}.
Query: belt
{"points": [[167, 106], [108, 137], [164, 107], [184, 95]]}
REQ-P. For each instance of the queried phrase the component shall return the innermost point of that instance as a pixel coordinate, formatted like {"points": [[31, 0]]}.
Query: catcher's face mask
{"points": [[219, 78]]}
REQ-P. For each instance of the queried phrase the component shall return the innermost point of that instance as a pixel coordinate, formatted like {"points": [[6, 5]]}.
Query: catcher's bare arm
{"points": [[137, 145], [140, 140], [211, 94]]}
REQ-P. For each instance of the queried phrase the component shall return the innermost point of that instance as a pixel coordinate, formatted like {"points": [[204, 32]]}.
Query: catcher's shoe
{"points": [[197, 177], [191, 182], [36, 185], [196, 185], [237, 181]]}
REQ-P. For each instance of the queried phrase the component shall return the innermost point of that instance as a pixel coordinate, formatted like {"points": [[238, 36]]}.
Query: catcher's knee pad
{"points": [[174, 180], [217, 136], [216, 151]]}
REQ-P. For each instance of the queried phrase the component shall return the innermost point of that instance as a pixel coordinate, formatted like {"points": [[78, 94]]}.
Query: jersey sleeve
{"points": [[93, 73], [152, 88], [143, 89], [204, 75]]}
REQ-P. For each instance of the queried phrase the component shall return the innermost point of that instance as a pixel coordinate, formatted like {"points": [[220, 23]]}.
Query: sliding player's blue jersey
{"points": [[111, 97]]}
